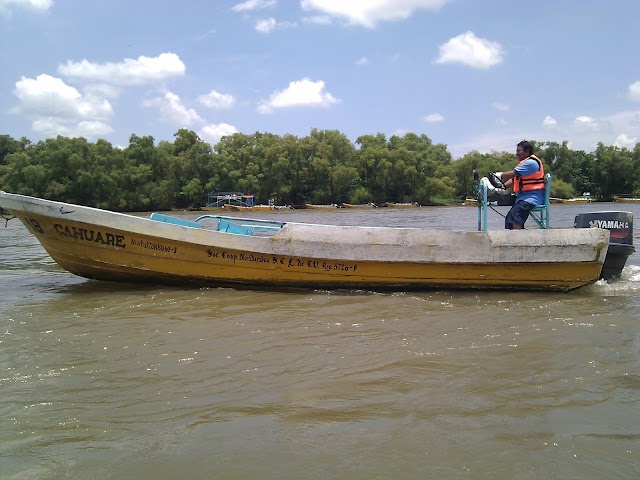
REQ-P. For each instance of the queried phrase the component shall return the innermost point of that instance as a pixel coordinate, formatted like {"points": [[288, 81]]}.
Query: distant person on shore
{"points": [[527, 181]]}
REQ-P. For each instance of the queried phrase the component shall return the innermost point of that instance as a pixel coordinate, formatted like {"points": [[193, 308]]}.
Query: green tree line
{"points": [[322, 167]]}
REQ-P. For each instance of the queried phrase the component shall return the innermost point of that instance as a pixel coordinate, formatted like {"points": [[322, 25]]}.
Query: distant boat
{"points": [[221, 199], [626, 200], [402, 205], [229, 251], [332, 206], [585, 198], [472, 202], [361, 205], [253, 208], [570, 200]]}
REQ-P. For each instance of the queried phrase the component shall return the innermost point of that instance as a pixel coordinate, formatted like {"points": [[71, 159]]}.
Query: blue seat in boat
{"points": [[229, 226], [540, 214], [159, 217], [225, 225]]}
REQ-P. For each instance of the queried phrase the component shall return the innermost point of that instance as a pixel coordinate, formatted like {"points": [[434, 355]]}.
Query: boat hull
{"points": [[321, 207], [254, 208], [104, 245], [365, 205], [401, 205]]}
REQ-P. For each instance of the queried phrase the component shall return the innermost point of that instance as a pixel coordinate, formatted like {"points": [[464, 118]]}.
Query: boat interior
{"points": [[218, 223]]}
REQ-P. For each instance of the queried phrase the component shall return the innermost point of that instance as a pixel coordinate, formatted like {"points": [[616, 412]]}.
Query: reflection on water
{"points": [[105, 380]]}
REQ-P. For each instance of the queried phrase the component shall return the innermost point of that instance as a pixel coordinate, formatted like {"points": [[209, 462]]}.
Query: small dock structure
{"points": [[220, 199]]}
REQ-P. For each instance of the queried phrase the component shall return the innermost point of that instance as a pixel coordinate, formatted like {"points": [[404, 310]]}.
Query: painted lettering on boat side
{"points": [[153, 246], [36, 226], [87, 235], [243, 257], [284, 261], [344, 267]]}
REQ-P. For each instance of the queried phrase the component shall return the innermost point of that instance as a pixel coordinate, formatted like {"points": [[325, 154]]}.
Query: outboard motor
{"points": [[620, 226]]}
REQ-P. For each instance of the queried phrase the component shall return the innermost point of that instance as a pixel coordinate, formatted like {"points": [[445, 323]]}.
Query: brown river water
{"points": [[113, 381]]}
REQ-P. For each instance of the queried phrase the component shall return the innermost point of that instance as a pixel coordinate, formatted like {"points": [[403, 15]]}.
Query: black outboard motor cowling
{"points": [[620, 226]]}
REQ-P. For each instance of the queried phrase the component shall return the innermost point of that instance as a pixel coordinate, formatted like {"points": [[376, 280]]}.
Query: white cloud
{"points": [[634, 91], [584, 121], [268, 25], [35, 5], [503, 107], [362, 61], [214, 132], [501, 122], [253, 5], [623, 141], [50, 96], [369, 13], [586, 132], [500, 141], [52, 127], [471, 51], [317, 19], [433, 118], [215, 99], [129, 72], [56, 108], [103, 90], [173, 110], [625, 121], [299, 93], [583, 133]]}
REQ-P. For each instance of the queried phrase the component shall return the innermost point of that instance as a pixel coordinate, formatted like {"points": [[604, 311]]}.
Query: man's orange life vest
{"points": [[527, 183]]}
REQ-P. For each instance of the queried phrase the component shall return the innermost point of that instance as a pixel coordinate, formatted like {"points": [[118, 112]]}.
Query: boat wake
{"points": [[628, 283]]}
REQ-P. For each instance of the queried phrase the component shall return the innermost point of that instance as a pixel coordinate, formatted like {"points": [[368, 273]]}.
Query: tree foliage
{"points": [[322, 167]]}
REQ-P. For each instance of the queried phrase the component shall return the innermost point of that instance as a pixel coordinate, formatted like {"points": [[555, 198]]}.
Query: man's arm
{"points": [[528, 167], [506, 176]]}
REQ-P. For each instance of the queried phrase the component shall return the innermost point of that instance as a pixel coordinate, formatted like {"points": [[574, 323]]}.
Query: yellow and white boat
{"points": [[252, 208], [402, 205], [626, 200], [585, 198], [312, 206], [225, 251], [359, 205]]}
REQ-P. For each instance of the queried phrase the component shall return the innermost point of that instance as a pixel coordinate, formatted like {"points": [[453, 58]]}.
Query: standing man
{"points": [[527, 180]]}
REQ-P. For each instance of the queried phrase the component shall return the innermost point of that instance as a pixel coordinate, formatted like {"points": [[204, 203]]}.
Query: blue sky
{"points": [[472, 74]]}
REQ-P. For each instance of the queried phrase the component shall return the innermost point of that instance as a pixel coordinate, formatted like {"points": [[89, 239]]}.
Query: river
{"points": [[114, 381]]}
